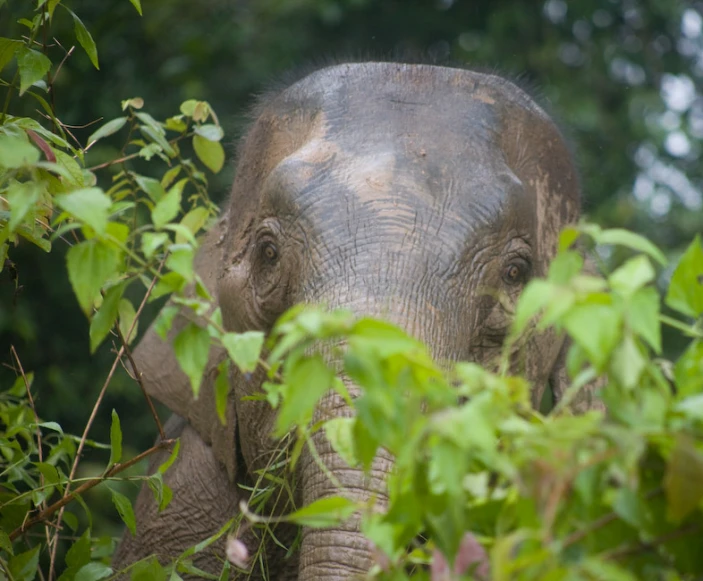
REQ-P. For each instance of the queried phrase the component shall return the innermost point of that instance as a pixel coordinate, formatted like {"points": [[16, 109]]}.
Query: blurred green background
{"points": [[623, 76]]}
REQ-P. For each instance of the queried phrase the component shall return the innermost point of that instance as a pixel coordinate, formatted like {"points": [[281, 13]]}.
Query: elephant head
{"points": [[425, 195]]}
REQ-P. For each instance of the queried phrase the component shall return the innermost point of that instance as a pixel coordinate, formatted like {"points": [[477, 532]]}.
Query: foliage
{"points": [[608, 496], [138, 232], [481, 481], [607, 69]]}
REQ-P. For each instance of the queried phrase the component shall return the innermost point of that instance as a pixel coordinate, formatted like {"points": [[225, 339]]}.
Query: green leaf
{"points": [[596, 328], [685, 293], [171, 175], [23, 567], [628, 363], [164, 320], [631, 240], [152, 187], [90, 264], [194, 221], [115, 440], [689, 371], [682, 482], [692, 406], [468, 426], [340, 433], [71, 520], [22, 197], [17, 152], [167, 208], [88, 205], [129, 326], [8, 49], [633, 509], [49, 472], [632, 276], [210, 132], [125, 510], [180, 260], [152, 241], [209, 152], [137, 5], [6, 543], [32, 65], [84, 39], [598, 569], [93, 571], [149, 570], [306, 380], [79, 553], [49, 425], [105, 318], [643, 316], [365, 444], [568, 236], [109, 128], [134, 103], [244, 348], [565, 266], [222, 388], [192, 346], [325, 512], [188, 107], [70, 167], [171, 459], [532, 300], [158, 140]]}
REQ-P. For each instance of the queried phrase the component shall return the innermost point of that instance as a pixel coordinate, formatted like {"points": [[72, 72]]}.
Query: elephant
{"points": [[425, 195]]}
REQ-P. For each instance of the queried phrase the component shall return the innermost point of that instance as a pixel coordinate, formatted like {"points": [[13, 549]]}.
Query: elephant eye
{"points": [[269, 252], [516, 272]]}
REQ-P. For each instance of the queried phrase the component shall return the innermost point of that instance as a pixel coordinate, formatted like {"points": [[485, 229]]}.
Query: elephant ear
{"points": [[164, 380]]}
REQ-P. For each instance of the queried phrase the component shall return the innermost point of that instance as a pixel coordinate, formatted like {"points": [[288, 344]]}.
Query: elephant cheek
{"points": [[233, 298]]}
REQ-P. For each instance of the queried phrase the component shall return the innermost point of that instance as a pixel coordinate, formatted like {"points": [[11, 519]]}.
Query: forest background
{"points": [[624, 78]]}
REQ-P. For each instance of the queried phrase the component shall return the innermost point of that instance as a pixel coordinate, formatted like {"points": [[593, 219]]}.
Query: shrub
{"points": [[483, 487]]}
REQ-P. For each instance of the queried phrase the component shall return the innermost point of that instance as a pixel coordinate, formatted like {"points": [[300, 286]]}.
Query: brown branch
{"points": [[606, 519], [91, 419], [629, 550], [138, 378], [83, 488]]}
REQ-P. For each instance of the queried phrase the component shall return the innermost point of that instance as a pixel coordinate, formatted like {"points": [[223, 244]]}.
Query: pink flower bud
{"points": [[237, 553]]}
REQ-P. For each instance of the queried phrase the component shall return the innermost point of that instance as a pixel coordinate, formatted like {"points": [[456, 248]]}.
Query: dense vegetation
{"points": [[117, 207]]}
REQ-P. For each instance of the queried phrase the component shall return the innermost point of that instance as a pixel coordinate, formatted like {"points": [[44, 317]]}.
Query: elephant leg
{"points": [[204, 499]]}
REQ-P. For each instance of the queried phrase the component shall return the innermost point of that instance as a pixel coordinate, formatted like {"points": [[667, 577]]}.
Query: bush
{"points": [[483, 486]]}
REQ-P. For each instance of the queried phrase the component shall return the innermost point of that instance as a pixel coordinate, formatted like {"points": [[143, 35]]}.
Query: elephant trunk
{"points": [[341, 552]]}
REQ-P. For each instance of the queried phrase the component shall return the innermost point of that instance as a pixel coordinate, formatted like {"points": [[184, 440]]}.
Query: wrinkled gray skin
{"points": [[425, 195]]}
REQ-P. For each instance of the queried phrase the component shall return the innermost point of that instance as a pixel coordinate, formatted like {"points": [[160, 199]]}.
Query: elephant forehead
{"points": [[324, 174], [381, 201]]}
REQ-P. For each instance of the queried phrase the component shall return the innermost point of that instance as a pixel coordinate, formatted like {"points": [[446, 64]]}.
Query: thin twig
{"points": [[114, 161], [69, 52], [91, 419], [138, 378], [40, 452], [83, 488]]}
